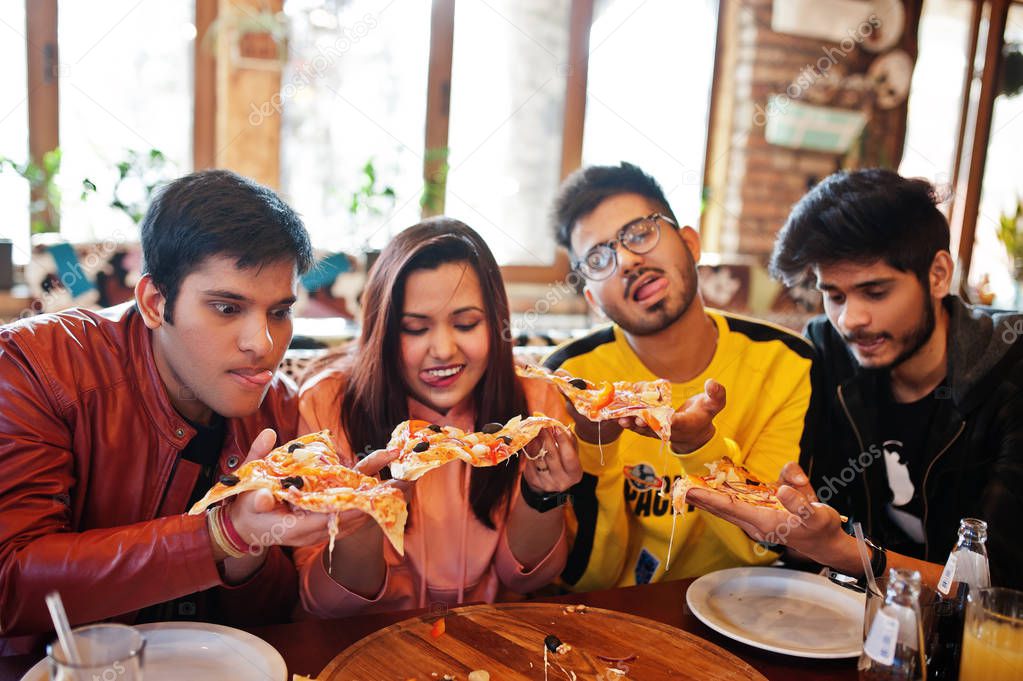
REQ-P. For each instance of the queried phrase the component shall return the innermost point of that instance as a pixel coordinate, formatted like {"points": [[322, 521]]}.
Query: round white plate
{"points": [[200, 652], [785, 611]]}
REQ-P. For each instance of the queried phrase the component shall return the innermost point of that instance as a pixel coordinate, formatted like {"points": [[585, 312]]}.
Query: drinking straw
{"points": [[862, 545], [60, 623]]}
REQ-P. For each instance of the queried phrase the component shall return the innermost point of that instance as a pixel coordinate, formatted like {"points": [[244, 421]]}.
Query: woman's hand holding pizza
{"points": [[550, 467], [379, 459], [552, 462]]}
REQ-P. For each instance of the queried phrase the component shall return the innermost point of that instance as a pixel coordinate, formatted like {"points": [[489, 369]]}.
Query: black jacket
{"points": [[977, 436]]}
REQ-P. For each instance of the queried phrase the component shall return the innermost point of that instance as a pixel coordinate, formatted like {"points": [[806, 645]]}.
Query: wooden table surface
{"points": [[508, 640], [308, 646]]}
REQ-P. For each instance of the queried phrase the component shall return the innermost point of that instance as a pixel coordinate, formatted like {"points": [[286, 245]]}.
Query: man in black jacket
{"points": [[916, 419]]}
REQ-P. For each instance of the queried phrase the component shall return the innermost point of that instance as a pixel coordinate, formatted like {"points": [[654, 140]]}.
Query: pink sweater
{"points": [[450, 557]]}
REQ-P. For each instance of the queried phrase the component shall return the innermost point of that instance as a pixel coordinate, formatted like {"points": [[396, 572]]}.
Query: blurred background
{"points": [[368, 114]]}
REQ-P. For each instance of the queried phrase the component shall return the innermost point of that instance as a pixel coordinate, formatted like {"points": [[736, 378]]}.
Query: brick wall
{"points": [[764, 180]]}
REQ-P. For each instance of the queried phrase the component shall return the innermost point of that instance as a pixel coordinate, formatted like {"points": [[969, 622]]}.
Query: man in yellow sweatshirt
{"points": [[740, 387]]}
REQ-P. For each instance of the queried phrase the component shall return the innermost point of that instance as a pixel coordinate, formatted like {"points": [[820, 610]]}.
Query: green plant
{"points": [[1010, 233], [45, 193], [146, 171], [367, 199], [435, 182]]}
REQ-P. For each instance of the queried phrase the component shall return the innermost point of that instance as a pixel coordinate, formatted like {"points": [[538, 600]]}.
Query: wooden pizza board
{"points": [[507, 641]]}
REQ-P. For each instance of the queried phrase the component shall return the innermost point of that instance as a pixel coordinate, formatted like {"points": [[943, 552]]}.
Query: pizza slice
{"points": [[607, 401], [727, 477], [308, 474], [422, 446]]}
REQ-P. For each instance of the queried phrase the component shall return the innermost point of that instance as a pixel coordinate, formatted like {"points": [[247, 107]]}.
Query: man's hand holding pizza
{"points": [[804, 525], [261, 521], [692, 424]]}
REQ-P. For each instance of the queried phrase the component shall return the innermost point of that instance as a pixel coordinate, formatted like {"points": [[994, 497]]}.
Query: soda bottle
{"points": [[894, 649], [965, 571]]}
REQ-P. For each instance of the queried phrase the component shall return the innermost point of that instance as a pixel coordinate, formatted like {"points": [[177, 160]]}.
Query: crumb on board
{"points": [[575, 608]]}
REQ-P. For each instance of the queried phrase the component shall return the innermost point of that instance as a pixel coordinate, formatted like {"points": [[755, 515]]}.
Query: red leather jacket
{"points": [[92, 490]]}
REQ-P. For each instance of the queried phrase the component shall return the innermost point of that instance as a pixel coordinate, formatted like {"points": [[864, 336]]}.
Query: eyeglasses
{"points": [[639, 236]]}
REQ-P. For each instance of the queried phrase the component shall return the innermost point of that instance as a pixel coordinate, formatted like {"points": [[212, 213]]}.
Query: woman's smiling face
{"points": [[444, 334]]}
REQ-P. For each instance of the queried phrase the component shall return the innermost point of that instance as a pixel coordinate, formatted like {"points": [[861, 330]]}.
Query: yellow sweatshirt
{"points": [[622, 530]]}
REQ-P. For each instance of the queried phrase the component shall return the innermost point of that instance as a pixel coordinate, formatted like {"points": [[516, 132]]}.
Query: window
{"points": [[14, 127], [125, 85], [1003, 184], [352, 110], [354, 93], [507, 113], [648, 98], [935, 96], [934, 107]]}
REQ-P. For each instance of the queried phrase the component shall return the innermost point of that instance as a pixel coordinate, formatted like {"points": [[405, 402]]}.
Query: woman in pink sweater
{"points": [[434, 346]]}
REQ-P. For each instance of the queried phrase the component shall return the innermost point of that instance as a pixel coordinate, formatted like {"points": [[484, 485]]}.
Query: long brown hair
{"points": [[375, 398]]}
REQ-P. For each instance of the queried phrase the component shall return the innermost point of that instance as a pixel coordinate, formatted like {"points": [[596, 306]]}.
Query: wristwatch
{"points": [[540, 502], [878, 558]]}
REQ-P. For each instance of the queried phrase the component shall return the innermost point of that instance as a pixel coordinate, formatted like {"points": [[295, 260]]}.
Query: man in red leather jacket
{"points": [[113, 423]]}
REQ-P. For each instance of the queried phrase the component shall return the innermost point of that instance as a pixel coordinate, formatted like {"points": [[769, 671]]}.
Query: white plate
{"points": [[200, 652], [785, 611]]}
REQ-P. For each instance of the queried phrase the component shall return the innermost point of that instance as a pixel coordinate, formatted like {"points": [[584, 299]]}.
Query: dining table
{"points": [[307, 646]]}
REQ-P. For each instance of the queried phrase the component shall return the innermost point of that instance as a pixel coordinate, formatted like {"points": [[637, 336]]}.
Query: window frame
{"points": [[44, 98]]}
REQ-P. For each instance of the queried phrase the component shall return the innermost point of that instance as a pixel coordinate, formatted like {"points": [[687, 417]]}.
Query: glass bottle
{"points": [[965, 573], [894, 649]]}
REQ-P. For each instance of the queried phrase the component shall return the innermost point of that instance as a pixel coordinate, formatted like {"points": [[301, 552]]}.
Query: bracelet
{"points": [[231, 534], [218, 533], [540, 502]]}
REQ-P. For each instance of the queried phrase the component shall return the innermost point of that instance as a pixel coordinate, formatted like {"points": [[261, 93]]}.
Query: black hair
{"points": [[586, 188], [862, 216], [217, 212]]}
